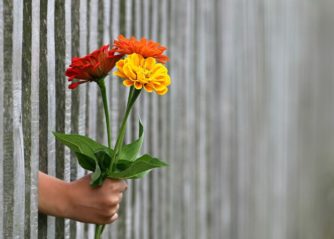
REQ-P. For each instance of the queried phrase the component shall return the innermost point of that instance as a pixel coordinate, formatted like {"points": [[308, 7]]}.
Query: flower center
{"points": [[143, 75]]}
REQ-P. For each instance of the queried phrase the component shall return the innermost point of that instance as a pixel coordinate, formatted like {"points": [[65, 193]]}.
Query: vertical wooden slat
{"points": [[101, 136], [51, 90], [75, 95], [204, 75], [68, 100], [190, 82], [226, 114], [82, 118], [61, 97], [8, 171], [182, 183], [137, 194], [92, 88], [246, 128], [172, 207], [128, 203], [114, 83], [258, 117], [123, 95], [43, 108], [114, 92], [163, 128], [242, 165], [155, 179], [278, 72], [1, 119], [215, 180], [18, 147], [146, 207], [34, 98], [105, 40], [307, 149], [75, 117], [26, 106]]}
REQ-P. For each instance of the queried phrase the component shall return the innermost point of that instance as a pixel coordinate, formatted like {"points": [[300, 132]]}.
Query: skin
{"points": [[77, 200]]}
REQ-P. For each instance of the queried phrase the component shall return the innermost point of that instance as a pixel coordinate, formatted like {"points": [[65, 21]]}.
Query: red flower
{"points": [[146, 48], [92, 67]]}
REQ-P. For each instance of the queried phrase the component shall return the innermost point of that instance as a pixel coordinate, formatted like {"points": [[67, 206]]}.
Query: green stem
{"points": [[133, 95], [102, 87], [98, 231]]}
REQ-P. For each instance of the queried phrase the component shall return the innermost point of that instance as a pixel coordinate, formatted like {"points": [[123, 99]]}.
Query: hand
{"points": [[79, 201]]}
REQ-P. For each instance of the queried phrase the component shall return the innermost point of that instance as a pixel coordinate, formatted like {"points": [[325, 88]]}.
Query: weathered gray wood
{"points": [[68, 100], [51, 96], [61, 98], [34, 98], [82, 119], [247, 126], [128, 200], [92, 88], [8, 171], [43, 107], [1, 119], [18, 141], [26, 107], [137, 230]]}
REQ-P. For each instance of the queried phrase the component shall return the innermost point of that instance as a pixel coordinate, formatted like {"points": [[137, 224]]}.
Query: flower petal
{"points": [[127, 83], [138, 85], [148, 87]]}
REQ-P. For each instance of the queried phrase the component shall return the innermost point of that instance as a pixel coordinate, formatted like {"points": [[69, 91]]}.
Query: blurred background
{"points": [[247, 127]]}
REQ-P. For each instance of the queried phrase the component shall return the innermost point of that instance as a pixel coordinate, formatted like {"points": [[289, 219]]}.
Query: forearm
{"points": [[53, 195]]}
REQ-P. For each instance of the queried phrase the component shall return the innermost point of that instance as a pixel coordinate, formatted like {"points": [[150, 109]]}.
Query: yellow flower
{"points": [[144, 73]]}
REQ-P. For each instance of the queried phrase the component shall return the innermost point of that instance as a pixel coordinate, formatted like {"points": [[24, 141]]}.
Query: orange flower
{"points": [[146, 48], [92, 67]]}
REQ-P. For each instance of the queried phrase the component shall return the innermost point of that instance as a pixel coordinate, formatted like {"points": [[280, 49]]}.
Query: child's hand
{"points": [[79, 201]]}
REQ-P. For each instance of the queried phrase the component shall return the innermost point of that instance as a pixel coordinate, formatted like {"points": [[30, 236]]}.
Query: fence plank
{"points": [[2, 213], [8, 167], [247, 126], [26, 107], [34, 98]]}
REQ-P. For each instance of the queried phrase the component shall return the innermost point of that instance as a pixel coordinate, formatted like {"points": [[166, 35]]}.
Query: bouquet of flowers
{"points": [[140, 64]]}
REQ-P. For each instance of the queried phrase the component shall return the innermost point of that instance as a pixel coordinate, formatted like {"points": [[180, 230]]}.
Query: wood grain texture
{"points": [[247, 126]]}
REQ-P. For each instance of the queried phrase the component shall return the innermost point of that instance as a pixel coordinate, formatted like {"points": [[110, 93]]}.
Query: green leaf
{"points": [[130, 151], [141, 175], [97, 178], [104, 158], [80, 144], [140, 165], [85, 161], [124, 164]]}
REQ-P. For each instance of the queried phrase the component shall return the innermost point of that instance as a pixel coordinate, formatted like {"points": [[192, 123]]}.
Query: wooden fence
{"points": [[247, 127]]}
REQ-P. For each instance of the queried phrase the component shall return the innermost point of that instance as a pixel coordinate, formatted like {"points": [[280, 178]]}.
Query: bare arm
{"points": [[78, 201]]}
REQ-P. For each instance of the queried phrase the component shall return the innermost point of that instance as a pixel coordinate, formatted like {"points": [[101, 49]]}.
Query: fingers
{"points": [[110, 215], [114, 210], [113, 218], [107, 220], [115, 185]]}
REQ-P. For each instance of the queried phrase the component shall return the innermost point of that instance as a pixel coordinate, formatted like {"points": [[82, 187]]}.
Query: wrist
{"points": [[54, 196], [65, 202]]}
